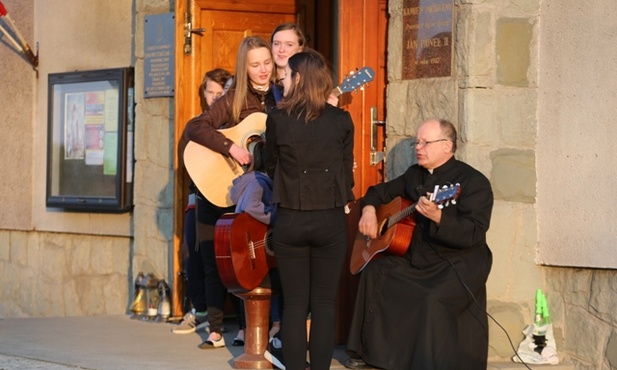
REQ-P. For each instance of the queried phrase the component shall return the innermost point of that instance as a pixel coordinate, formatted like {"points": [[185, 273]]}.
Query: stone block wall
{"points": [[52, 274], [492, 97]]}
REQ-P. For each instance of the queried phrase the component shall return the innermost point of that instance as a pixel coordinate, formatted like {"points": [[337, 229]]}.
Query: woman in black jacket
{"points": [[309, 154]]}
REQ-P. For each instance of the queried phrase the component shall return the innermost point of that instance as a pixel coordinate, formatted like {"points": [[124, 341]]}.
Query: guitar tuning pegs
{"points": [[352, 72], [453, 201], [440, 206]]}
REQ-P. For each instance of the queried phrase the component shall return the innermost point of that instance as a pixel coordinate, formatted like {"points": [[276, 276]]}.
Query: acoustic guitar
{"points": [[396, 222], [213, 173], [242, 246]]}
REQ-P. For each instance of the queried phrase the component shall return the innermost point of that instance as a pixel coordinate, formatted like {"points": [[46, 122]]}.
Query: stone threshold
{"points": [[505, 365]]}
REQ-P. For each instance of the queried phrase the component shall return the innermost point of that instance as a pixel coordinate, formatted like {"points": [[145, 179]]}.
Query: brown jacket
{"points": [[203, 128]]}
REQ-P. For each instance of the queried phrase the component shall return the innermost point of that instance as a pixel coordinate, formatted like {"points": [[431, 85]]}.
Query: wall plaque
{"points": [[427, 38], [159, 49]]}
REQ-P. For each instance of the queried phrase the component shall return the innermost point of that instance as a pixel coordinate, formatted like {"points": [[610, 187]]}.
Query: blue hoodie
{"points": [[252, 193]]}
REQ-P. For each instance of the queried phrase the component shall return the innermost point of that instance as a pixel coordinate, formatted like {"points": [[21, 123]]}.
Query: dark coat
{"points": [[320, 178], [416, 311]]}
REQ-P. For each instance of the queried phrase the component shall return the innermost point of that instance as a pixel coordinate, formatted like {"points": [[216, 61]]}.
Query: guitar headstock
{"points": [[446, 194], [356, 80]]}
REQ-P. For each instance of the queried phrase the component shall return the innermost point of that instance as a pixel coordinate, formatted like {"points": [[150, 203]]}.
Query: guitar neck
{"points": [[394, 219], [336, 92]]}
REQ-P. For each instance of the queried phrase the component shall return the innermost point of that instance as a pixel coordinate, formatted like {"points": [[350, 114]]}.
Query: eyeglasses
{"points": [[422, 144]]}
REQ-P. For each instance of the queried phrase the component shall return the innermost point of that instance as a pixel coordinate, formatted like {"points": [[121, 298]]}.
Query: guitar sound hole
{"points": [[383, 228], [268, 243]]}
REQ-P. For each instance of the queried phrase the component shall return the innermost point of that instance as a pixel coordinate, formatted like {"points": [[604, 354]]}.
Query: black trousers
{"points": [[310, 247], [194, 264], [216, 293]]}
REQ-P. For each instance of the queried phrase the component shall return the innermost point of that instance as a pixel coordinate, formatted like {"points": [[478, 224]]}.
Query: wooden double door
{"points": [[211, 40]]}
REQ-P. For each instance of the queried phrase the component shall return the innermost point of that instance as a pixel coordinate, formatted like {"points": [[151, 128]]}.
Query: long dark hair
{"points": [[311, 84]]}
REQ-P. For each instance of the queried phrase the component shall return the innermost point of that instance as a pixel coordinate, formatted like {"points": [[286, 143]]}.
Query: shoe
{"points": [[274, 353], [276, 327], [211, 343], [239, 339], [358, 363], [191, 322]]}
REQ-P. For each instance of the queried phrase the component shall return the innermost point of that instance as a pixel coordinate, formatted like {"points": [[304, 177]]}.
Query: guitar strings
{"points": [[261, 242]]}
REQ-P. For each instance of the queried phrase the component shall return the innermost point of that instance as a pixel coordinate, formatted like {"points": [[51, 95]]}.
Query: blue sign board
{"points": [[159, 55]]}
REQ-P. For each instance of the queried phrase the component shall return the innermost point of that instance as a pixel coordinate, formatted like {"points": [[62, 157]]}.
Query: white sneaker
{"points": [[191, 322], [274, 353], [211, 343]]}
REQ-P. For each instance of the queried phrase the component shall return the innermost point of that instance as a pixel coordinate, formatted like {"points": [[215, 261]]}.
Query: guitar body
{"points": [[243, 255], [391, 239], [212, 172]]}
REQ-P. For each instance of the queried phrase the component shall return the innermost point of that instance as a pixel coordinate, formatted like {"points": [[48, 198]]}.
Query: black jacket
{"points": [[311, 163]]}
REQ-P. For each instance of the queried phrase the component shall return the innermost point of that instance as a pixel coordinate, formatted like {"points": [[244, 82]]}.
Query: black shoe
{"points": [[239, 339], [274, 353], [357, 363]]}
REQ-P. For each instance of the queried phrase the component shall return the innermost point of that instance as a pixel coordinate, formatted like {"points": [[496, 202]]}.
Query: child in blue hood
{"points": [[252, 193]]}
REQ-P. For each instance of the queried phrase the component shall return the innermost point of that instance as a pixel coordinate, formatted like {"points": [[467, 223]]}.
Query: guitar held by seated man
{"points": [[396, 222]]}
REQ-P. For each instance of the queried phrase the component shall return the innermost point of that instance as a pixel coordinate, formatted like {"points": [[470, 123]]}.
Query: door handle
{"points": [[376, 156]]}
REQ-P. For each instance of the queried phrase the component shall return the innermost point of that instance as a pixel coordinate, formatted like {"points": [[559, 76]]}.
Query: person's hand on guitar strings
{"points": [[368, 222], [241, 155]]}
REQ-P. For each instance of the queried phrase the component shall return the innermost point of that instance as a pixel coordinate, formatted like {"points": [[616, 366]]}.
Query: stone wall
{"points": [[53, 274]]}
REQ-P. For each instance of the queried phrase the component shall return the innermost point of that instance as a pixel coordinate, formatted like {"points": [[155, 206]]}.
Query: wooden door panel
{"points": [[224, 31], [362, 42]]}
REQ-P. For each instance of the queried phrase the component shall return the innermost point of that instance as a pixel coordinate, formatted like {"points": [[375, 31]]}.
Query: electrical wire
{"points": [[478, 304]]}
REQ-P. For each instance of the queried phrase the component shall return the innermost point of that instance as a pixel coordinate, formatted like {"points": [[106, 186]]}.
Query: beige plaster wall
{"points": [[576, 156], [87, 41]]}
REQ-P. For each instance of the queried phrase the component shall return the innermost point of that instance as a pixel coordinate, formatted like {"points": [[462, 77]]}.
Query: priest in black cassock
{"points": [[426, 310]]}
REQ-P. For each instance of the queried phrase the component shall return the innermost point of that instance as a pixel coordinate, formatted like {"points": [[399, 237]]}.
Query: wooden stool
{"points": [[257, 311]]}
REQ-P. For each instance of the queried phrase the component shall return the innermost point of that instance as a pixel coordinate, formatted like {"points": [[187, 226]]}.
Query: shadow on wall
{"points": [[400, 157]]}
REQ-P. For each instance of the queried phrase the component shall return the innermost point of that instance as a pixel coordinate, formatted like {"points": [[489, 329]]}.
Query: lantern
{"points": [[164, 309], [138, 307], [149, 285]]}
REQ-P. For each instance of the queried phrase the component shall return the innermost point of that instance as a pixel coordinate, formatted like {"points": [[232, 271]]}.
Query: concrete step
{"points": [[505, 365]]}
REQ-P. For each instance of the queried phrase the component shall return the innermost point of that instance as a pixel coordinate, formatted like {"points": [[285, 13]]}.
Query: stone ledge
{"points": [[505, 365]]}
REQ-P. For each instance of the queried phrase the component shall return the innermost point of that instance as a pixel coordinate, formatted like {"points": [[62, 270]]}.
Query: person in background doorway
{"points": [[211, 90], [286, 40]]}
